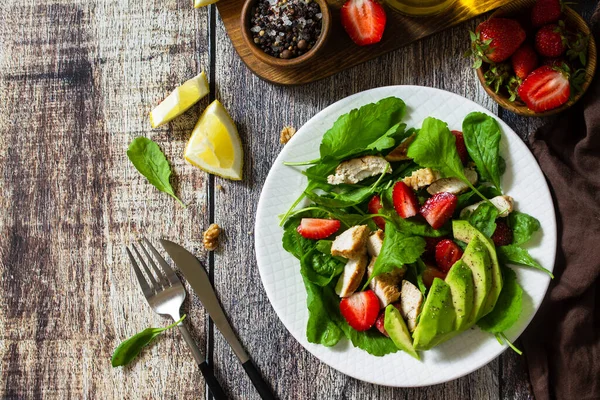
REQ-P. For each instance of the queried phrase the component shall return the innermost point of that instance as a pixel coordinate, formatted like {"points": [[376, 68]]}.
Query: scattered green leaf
{"points": [[484, 218], [514, 254], [508, 307], [130, 348], [523, 226], [150, 161]]}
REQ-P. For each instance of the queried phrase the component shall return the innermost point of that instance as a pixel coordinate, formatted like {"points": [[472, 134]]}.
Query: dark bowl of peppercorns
{"points": [[285, 33]]}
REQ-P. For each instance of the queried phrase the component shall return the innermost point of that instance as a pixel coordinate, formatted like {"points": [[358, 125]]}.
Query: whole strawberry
{"points": [[524, 61], [546, 12], [495, 40], [550, 41]]}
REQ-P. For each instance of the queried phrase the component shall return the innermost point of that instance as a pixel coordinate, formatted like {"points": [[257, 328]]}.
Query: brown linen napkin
{"points": [[562, 344]]}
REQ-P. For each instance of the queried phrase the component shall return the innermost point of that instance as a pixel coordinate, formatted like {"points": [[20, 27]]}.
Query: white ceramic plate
{"points": [[523, 180]]}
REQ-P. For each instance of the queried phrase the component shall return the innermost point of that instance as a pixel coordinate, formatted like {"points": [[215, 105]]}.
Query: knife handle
{"points": [[257, 380], [211, 381]]}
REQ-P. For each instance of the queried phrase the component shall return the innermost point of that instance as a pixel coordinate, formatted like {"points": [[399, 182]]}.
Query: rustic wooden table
{"points": [[77, 80]]}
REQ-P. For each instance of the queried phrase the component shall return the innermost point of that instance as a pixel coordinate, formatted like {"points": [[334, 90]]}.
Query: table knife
{"points": [[196, 275]]}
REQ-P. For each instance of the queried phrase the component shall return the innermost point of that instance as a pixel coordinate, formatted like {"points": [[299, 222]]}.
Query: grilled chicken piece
{"points": [[385, 285], [374, 243], [352, 275], [411, 301], [352, 243], [399, 153], [421, 178], [453, 185], [504, 204], [358, 169]]}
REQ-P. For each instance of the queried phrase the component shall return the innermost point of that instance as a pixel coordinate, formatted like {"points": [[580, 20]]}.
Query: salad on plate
{"points": [[407, 237]]}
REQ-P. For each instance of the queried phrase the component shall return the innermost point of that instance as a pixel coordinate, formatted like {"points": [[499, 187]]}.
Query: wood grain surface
{"points": [[339, 53], [77, 80]]}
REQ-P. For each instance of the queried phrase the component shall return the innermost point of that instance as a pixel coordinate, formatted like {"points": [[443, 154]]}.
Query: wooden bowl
{"points": [[280, 62], [521, 10]]}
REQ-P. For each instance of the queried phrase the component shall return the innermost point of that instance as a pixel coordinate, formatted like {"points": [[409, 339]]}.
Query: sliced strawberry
{"points": [[405, 201], [360, 310], [461, 147], [430, 273], [374, 207], [503, 235], [364, 21], [550, 41], [380, 321], [439, 208], [447, 253], [545, 12], [545, 88], [524, 61], [317, 228], [430, 244]]}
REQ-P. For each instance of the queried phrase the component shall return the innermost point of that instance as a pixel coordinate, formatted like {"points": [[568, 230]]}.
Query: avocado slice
{"points": [[436, 323], [477, 258], [460, 280], [465, 232], [398, 331]]}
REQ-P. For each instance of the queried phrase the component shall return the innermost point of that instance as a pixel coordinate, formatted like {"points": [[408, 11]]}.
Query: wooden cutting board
{"points": [[340, 52]]}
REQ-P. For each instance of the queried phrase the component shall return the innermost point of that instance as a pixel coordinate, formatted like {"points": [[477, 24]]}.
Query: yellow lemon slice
{"points": [[215, 145], [202, 3], [180, 99]]}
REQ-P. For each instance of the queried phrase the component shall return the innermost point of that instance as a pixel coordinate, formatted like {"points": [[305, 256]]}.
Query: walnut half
{"points": [[211, 237]]}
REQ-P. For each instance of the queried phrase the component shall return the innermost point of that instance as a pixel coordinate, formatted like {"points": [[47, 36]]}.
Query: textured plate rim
{"points": [[342, 104]]}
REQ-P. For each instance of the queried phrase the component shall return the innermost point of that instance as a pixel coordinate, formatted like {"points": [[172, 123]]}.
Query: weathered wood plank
{"points": [[260, 111], [77, 80]]}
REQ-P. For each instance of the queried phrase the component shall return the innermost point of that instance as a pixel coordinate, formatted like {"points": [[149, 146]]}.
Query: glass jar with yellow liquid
{"points": [[420, 7]]}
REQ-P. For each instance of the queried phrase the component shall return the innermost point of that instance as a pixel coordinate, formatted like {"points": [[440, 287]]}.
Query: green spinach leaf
{"points": [[321, 328], [435, 147], [523, 226], [484, 218], [393, 135], [508, 307], [130, 348], [355, 131], [398, 249], [482, 138], [514, 254], [320, 268], [150, 161]]}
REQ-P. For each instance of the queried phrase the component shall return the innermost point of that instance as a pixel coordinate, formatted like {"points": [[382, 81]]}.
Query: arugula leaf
{"points": [[355, 131], [131, 347], [508, 307], [482, 138], [523, 226], [514, 254], [389, 139], [484, 218], [435, 147], [398, 249], [150, 161]]}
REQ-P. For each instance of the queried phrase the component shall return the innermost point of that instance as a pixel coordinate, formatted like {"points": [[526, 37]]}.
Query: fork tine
{"points": [[138, 273], [155, 286], [159, 273], [171, 276]]}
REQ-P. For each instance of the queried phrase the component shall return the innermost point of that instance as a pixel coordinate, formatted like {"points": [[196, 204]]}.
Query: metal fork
{"points": [[165, 295]]}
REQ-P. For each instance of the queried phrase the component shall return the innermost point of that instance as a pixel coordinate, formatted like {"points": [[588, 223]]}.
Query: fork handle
{"points": [[211, 381], [205, 368]]}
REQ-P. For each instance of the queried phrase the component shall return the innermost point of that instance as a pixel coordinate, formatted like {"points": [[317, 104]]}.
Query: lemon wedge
{"points": [[180, 99], [202, 3], [215, 145]]}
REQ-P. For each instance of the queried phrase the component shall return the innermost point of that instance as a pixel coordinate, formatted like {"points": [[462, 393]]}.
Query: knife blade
{"points": [[196, 275]]}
